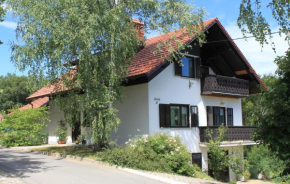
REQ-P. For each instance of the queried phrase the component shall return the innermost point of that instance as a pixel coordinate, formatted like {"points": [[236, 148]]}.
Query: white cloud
{"points": [[9, 24], [261, 59]]}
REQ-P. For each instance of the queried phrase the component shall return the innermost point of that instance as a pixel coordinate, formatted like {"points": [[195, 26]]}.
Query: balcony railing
{"points": [[216, 85], [233, 133]]}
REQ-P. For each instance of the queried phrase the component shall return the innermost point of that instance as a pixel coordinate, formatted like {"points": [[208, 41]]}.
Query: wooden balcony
{"points": [[216, 85], [234, 133]]}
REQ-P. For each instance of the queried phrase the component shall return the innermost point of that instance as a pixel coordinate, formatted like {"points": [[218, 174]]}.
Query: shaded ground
{"points": [[33, 168]]}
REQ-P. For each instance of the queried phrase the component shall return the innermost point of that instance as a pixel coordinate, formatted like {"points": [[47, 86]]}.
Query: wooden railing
{"points": [[217, 85], [233, 133]]}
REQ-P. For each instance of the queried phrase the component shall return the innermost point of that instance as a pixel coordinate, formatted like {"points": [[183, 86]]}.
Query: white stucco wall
{"points": [[133, 113], [55, 115], [166, 88]]}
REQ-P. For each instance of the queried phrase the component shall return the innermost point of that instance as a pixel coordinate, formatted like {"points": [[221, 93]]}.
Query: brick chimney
{"points": [[140, 28]]}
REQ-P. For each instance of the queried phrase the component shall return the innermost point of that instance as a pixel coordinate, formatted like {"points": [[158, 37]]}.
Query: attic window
{"points": [[187, 70], [190, 68]]}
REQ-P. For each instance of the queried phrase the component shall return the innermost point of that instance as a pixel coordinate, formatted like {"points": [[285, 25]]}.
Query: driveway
{"points": [[34, 169]]}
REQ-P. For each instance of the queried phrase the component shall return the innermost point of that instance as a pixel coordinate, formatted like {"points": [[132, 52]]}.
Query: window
{"points": [[174, 115], [194, 116], [196, 159], [191, 67], [230, 117], [187, 70], [218, 116]]}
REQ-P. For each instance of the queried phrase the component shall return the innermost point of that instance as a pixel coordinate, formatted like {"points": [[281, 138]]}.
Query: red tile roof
{"points": [[145, 61], [40, 102]]}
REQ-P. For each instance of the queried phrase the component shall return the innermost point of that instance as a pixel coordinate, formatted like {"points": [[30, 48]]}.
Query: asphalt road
{"points": [[34, 169]]}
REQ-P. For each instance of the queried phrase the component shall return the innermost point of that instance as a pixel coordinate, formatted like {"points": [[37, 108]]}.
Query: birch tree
{"points": [[99, 36]]}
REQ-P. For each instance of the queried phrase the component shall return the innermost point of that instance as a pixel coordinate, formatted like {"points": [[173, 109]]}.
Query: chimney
{"points": [[140, 28]]}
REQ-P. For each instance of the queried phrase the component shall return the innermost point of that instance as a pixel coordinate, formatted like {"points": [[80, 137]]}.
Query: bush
{"points": [[61, 131], [157, 152], [283, 179], [247, 174], [262, 159], [24, 128]]}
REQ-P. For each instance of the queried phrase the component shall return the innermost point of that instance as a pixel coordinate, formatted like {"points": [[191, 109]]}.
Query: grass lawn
{"points": [[81, 151]]}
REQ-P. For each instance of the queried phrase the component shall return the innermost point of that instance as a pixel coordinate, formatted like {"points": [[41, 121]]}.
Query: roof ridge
{"points": [[208, 20]]}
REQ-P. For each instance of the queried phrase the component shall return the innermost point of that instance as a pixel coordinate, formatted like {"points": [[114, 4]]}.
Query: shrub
{"points": [[24, 128], [283, 179], [157, 152], [262, 159], [247, 174], [61, 131], [218, 160]]}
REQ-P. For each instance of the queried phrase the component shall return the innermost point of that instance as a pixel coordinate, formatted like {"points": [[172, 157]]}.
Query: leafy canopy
{"points": [[252, 18], [14, 90], [100, 37], [2, 14], [269, 111]]}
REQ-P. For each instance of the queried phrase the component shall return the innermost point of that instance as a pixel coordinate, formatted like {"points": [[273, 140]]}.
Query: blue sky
{"points": [[226, 10]]}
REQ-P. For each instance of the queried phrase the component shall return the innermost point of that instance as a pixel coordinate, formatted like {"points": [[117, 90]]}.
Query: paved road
{"points": [[34, 169]]}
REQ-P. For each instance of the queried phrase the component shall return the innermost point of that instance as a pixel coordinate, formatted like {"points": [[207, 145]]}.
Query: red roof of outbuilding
{"points": [[40, 102], [145, 61]]}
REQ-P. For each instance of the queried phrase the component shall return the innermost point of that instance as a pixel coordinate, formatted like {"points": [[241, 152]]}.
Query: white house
{"points": [[165, 97]]}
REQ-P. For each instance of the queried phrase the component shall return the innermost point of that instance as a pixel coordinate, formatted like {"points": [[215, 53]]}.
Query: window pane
{"points": [[222, 116], [196, 159], [221, 111], [187, 68], [184, 115], [175, 115]]}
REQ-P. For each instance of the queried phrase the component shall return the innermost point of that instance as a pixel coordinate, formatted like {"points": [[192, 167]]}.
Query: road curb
{"points": [[100, 163]]}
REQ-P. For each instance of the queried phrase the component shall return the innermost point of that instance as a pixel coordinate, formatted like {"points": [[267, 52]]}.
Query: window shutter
{"points": [[209, 110], [230, 117], [194, 116], [164, 115], [177, 68], [197, 68]]}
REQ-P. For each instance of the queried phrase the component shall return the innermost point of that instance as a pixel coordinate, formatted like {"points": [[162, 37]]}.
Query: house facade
{"points": [[185, 100]]}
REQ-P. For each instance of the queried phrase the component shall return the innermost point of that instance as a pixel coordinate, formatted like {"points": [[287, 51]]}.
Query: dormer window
{"points": [[187, 70], [190, 68]]}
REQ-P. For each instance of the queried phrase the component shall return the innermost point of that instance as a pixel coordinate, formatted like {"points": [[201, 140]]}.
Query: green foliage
{"points": [[2, 14], [254, 106], [262, 159], [24, 128], [14, 90], [81, 138], [237, 163], [274, 129], [158, 152], [61, 131], [233, 182], [247, 174], [101, 38], [217, 159], [269, 111], [282, 180], [252, 18]]}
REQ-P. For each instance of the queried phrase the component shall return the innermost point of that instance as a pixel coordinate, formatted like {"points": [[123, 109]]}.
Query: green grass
{"points": [[80, 151]]}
